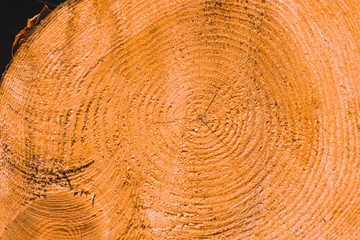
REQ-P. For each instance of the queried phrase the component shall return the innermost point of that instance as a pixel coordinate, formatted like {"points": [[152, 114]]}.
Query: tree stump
{"points": [[184, 119]]}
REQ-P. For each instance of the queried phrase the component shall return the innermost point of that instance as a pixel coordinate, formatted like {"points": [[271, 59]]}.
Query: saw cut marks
{"points": [[183, 120]]}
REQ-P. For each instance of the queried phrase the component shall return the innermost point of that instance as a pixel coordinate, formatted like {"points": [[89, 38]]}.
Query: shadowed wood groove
{"points": [[184, 119]]}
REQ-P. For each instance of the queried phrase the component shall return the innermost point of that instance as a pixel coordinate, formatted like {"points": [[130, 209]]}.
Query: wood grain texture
{"points": [[184, 119]]}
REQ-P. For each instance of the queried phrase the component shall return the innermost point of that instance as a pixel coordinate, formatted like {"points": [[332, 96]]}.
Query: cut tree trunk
{"points": [[184, 119]]}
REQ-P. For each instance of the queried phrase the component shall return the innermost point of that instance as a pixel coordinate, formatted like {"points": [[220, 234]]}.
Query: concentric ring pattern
{"points": [[184, 120]]}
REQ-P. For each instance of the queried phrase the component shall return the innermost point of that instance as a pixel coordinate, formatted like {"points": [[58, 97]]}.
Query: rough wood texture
{"points": [[184, 119]]}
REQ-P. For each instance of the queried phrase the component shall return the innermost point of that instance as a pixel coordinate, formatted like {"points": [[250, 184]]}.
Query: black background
{"points": [[13, 18]]}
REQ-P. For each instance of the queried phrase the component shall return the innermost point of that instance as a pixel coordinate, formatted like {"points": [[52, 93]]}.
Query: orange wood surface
{"points": [[184, 119]]}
